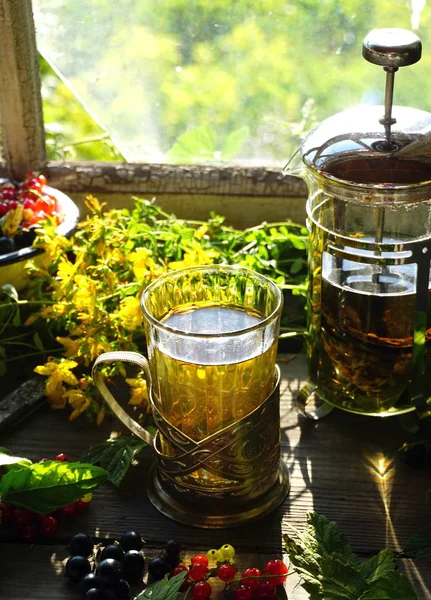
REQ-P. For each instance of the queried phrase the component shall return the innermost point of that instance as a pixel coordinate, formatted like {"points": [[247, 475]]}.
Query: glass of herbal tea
{"points": [[212, 343], [214, 390]]}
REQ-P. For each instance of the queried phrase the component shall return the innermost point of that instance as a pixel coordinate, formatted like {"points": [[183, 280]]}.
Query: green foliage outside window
{"points": [[254, 74]]}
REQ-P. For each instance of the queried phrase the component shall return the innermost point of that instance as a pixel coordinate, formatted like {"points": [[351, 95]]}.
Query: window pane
{"points": [[212, 80]]}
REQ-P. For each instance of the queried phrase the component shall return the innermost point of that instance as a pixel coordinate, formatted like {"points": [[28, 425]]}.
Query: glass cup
{"points": [[212, 344], [212, 336]]}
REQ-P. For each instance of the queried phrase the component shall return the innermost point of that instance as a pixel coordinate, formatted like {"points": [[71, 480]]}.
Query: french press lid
{"points": [[386, 147]]}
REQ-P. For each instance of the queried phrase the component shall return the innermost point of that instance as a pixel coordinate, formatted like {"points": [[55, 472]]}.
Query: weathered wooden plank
{"points": [[156, 179], [20, 100], [22, 402], [331, 472], [345, 467]]}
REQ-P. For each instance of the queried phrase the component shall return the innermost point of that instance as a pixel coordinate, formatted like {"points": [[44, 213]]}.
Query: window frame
{"points": [[24, 143]]}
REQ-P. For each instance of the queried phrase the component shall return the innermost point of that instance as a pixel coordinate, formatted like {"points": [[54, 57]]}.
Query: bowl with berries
{"points": [[24, 207]]}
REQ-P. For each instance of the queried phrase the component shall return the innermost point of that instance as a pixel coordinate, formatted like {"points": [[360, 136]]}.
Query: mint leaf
{"points": [[378, 566], [114, 455], [166, 589], [195, 145], [234, 142], [394, 586], [341, 580], [325, 538], [419, 546], [7, 460], [44, 487]]}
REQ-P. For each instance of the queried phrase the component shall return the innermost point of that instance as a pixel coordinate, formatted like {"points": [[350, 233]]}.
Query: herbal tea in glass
{"points": [[212, 342]]}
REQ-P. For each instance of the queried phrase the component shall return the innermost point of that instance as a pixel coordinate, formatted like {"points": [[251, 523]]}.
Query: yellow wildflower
{"points": [[71, 346], [31, 319], [112, 255], [143, 264], [79, 402], [84, 297], [66, 270], [57, 373], [201, 232], [100, 416], [52, 243], [194, 256], [139, 390], [54, 311], [56, 397], [95, 347], [129, 314], [94, 205]]}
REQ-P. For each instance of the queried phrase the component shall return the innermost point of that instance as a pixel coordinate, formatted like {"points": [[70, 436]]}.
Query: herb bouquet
{"points": [[84, 298]]}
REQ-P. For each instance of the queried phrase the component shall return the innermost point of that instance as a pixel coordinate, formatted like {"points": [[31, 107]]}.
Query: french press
{"points": [[368, 170]]}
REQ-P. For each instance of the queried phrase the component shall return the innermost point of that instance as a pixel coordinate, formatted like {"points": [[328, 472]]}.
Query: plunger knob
{"points": [[392, 48]]}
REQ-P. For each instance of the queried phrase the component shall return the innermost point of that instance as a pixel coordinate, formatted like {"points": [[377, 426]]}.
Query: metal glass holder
{"points": [[247, 479]]}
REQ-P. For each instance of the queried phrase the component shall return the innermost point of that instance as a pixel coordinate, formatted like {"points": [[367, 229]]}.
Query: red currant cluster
{"points": [[31, 525], [34, 204], [252, 584]]}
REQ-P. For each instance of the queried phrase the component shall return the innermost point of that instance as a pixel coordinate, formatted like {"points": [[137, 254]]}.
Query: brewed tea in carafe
{"points": [[369, 216]]}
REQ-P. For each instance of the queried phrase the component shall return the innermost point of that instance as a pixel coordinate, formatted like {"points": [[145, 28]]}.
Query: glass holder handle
{"points": [[132, 358]]}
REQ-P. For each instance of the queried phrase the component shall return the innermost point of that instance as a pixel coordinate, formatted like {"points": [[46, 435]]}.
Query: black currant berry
{"points": [[172, 547], [110, 571], [173, 560], [88, 582], [76, 568], [131, 540], [158, 568], [81, 544], [113, 551], [123, 589], [133, 565], [7, 245], [95, 594]]}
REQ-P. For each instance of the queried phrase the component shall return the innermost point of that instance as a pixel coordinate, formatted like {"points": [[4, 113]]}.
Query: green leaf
{"points": [[394, 586], [166, 589], [306, 565], [6, 459], [297, 265], [194, 145], [16, 321], [419, 546], [114, 455], [44, 487], [326, 538], [341, 580], [37, 341], [378, 566], [234, 142]]}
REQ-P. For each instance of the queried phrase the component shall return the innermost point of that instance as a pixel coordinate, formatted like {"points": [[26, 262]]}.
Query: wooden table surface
{"points": [[336, 468]]}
